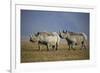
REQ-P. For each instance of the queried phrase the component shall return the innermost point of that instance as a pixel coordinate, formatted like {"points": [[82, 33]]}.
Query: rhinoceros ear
{"points": [[36, 34]]}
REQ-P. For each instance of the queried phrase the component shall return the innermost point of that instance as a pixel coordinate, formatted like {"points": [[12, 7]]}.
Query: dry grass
{"points": [[31, 53]]}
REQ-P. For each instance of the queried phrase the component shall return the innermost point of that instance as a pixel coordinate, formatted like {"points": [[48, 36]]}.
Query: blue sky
{"points": [[51, 21]]}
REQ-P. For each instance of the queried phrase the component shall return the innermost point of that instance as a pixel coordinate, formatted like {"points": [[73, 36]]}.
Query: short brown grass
{"points": [[31, 53]]}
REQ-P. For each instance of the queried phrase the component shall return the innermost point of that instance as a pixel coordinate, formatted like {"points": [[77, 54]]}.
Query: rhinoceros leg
{"points": [[47, 46], [39, 46], [83, 45], [56, 46], [69, 46]]}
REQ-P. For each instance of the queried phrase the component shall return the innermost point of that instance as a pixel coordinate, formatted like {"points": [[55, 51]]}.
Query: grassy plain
{"points": [[31, 53]]}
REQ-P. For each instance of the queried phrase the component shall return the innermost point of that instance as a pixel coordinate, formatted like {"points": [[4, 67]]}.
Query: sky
{"points": [[51, 21]]}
